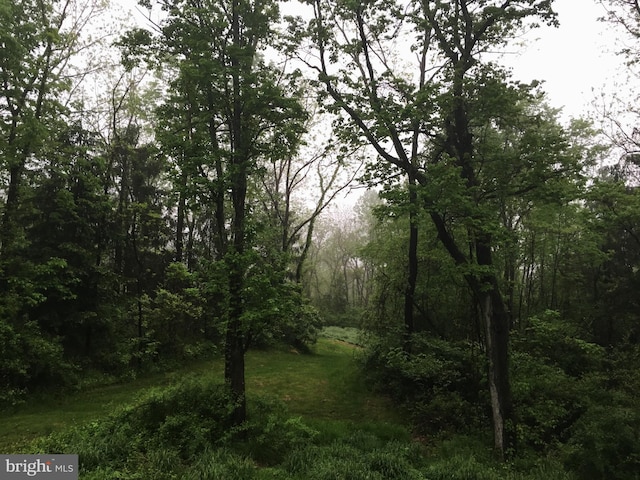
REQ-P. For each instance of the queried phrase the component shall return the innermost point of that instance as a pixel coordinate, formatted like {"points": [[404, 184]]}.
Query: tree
{"points": [[424, 124], [286, 196], [226, 112], [40, 39], [619, 115], [338, 278]]}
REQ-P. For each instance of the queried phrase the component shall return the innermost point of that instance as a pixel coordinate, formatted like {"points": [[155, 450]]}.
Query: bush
{"points": [[184, 428], [271, 433], [547, 401], [555, 340], [439, 382], [189, 417], [573, 398], [278, 313], [30, 361], [185, 420], [605, 442]]}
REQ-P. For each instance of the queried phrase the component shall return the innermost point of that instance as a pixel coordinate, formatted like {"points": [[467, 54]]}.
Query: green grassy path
{"points": [[321, 385]]}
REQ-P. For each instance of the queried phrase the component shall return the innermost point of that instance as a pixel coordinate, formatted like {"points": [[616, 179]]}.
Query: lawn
{"points": [[322, 385]]}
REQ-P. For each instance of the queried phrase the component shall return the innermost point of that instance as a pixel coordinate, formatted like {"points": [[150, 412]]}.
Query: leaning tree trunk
{"points": [[496, 322], [460, 145]]}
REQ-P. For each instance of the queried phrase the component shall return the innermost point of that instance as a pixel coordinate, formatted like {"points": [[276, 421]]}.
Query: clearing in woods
{"points": [[321, 386]]}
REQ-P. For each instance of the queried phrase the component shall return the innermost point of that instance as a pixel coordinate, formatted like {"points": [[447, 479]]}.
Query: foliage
{"points": [[439, 383], [276, 311], [604, 442], [184, 432], [30, 361], [548, 402], [185, 418], [338, 279], [158, 227], [357, 457], [272, 433], [553, 340], [570, 399]]}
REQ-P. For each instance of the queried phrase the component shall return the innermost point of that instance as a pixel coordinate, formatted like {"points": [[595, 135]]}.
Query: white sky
{"points": [[577, 61]]}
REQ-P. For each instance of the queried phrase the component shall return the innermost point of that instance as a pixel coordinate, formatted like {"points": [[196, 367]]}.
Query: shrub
{"points": [[30, 360], [271, 433], [180, 432], [547, 401], [555, 340], [278, 313], [188, 417], [185, 420], [605, 442], [426, 381]]}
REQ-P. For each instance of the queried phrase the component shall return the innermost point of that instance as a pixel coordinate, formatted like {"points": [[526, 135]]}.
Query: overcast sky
{"points": [[577, 61]]}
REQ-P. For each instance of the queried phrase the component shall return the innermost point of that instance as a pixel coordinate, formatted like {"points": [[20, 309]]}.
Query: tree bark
{"points": [[235, 344], [496, 322], [409, 294]]}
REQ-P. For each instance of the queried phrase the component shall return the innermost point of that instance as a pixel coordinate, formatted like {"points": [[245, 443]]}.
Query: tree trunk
{"points": [[409, 294], [7, 232], [496, 322], [497, 326], [180, 221], [235, 338], [234, 348]]}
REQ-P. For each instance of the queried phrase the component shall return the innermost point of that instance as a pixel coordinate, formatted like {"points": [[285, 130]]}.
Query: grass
{"points": [[323, 386], [331, 429], [350, 335]]}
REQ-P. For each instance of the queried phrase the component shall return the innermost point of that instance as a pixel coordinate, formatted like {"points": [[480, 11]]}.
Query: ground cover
{"points": [[322, 385], [311, 417]]}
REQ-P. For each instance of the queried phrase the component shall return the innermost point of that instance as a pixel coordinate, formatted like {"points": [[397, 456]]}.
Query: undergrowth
{"points": [[184, 432]]}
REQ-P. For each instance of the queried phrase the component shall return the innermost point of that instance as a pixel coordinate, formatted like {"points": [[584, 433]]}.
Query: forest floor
{"points": [[323, 385]]}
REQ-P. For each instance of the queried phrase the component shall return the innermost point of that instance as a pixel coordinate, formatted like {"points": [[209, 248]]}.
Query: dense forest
{"points": [[169, 192]]}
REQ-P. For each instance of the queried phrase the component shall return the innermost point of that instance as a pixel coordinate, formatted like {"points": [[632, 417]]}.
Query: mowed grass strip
{"points": [[324, 384]]}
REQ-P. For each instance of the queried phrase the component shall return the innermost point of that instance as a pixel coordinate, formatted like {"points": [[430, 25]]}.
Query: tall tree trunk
{"points": [[459, 144], [235, 345], [180, 220], [235, 339], [7, 232], [410, 289]]}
